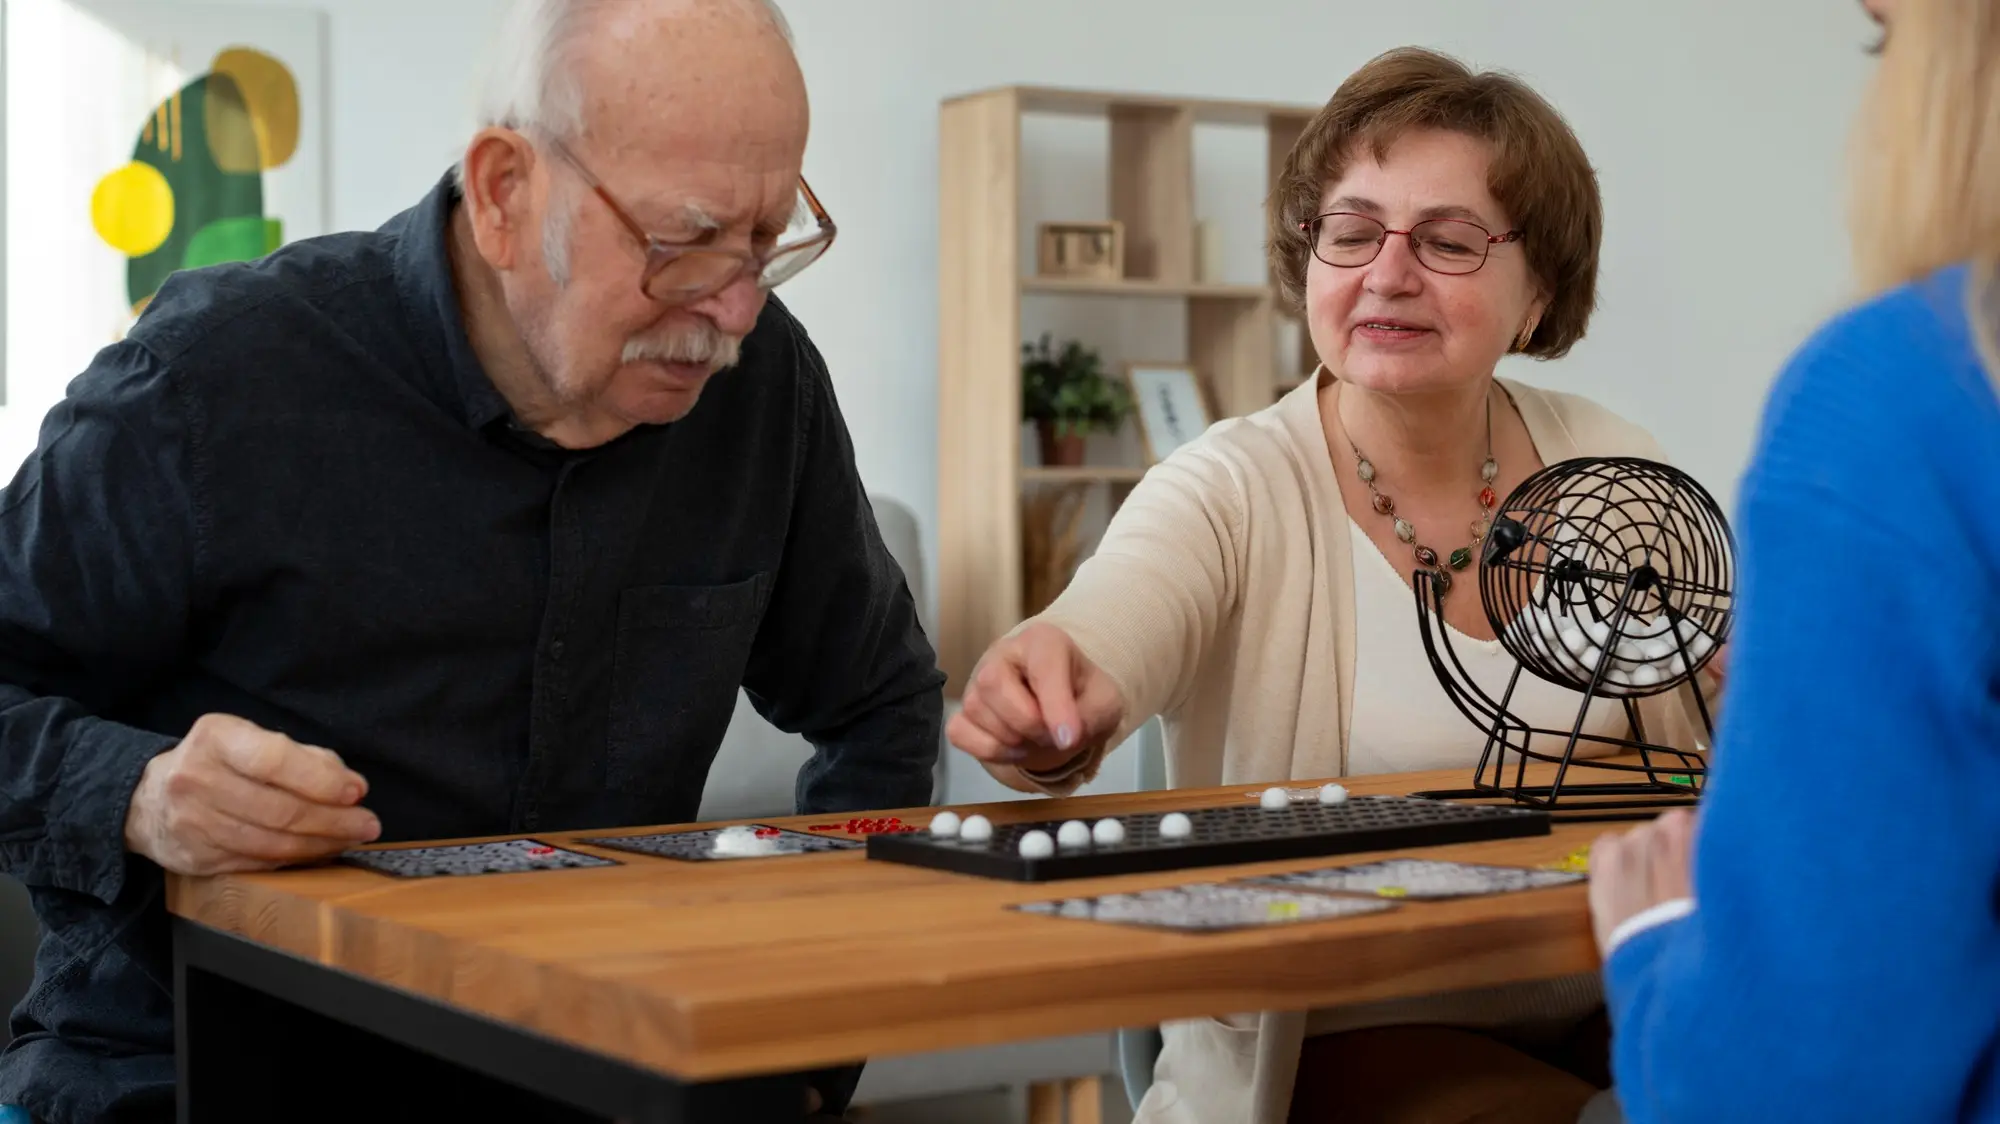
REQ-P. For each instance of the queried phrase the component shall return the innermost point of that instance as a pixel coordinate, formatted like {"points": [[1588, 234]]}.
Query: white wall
{"points": [[1718, 127]]}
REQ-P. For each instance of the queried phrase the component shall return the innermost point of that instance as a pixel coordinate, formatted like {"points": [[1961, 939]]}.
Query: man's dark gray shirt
{"points": [[293, 495]]}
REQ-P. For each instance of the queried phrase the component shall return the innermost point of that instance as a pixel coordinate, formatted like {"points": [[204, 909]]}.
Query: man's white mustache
{"points": [[702, 344]]}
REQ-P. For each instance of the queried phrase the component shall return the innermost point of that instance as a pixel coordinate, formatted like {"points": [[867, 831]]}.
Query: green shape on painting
{"points": [[218, 214], [244, 239]]}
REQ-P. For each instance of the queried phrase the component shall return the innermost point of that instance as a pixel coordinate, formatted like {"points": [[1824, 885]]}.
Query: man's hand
{"points": [[1036, 702], [235, 796], [1636, 871]]}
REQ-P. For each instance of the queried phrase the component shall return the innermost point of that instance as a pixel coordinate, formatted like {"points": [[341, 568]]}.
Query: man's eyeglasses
{"points": [[678, 274], [1345, 239]]}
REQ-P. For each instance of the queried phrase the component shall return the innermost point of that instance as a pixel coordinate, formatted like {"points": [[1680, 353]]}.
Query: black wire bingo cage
{"points": [[1613, 577]]}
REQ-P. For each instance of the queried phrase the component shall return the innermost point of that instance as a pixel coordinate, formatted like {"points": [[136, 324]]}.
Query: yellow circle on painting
{"points": [[133, 209], [271, 96]]}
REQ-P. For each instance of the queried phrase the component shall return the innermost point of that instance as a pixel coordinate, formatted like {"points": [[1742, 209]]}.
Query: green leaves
{"points": [[1068, 388]]}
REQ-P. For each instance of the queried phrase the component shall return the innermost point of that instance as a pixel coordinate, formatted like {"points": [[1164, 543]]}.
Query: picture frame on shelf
{"points": [[1081, 251], [1171, 404]]}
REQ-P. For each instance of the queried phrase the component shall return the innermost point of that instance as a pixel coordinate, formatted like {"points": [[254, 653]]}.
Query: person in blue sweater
{"points": [[1821, 940]]}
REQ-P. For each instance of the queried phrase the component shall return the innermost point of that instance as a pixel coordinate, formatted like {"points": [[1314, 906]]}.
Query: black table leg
{"points": [[262, 1035]]}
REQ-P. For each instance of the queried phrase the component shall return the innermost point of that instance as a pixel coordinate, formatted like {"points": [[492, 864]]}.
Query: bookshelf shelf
{"points": [[984, 237]]}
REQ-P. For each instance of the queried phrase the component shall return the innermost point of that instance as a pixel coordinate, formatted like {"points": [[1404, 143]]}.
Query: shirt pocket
{"points": [[677, 664]]}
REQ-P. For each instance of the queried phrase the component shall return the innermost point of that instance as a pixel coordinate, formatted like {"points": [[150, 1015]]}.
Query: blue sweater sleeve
{"points": [[1843, 961]]}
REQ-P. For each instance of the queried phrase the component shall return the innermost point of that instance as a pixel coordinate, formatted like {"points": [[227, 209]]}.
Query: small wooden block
{"points": [[1076, 1100], [1086, 1100], [1045, 1103]]}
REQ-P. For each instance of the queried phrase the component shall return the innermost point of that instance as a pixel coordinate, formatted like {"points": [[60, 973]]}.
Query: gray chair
{"points": [[753, 777], [1138, 1048], [19, 932], [756, 767]]}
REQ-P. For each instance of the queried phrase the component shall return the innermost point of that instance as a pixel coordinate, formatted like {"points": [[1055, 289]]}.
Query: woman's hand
{"points": [[1717, 668], [1636, 871], [1035, 701]]}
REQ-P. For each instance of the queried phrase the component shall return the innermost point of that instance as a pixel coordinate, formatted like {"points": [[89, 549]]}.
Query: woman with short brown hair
{"points": [[1255, 588]]}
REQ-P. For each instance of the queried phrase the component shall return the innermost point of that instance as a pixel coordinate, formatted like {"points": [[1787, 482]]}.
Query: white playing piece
{"points": [[1701, 646], [742, 840], [1332, 794], [1037, 845], [1645, 628], [944, 825], [1073, 833], [1176, 825], [1108, 832], [976, 829], [1275, 798]]}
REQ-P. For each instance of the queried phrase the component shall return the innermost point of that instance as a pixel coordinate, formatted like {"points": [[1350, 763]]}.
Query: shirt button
{"points": [[556, 650]]}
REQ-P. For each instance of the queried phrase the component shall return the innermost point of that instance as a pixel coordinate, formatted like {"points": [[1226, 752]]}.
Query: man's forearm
{"points": [[885, 759], [72, 777]]}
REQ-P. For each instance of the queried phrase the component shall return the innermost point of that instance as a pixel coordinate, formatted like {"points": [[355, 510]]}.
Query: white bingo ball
{"points": [[1275, 798], [1646, 675], [1574, 642], [1701, 646], [976, 829], [1641, 628], [944, 825], [1073, 833], [1546, 625], [1176, 825], [743, 840], [1598, 631], [1108, 832], [1332, 794], [1037, 845]]}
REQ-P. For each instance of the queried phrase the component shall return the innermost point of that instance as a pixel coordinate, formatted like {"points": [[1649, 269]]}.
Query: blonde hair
{"points": [[1927, 158]]}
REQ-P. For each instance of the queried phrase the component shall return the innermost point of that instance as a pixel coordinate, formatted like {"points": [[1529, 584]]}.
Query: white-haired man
{"points": [[420, 532]]}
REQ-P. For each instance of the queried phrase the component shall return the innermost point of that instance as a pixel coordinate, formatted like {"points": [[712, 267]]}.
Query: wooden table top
{"points": [[710, 970]]}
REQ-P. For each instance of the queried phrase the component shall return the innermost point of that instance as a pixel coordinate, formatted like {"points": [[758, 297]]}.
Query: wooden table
{"points": [[668, 991]]}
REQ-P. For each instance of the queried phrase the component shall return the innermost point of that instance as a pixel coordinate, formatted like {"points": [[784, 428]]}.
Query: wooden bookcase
{"points": [[1232, 329]]}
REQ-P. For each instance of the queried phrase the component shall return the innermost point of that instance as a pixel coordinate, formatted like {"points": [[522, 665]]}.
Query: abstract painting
{"points": [[142, 138], [193, 192]]}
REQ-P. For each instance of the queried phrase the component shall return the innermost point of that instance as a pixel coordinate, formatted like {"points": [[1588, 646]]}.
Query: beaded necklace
{"points": [[1489, 471]]}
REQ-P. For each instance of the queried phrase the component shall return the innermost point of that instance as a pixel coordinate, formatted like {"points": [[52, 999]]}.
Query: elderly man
{"points": [[472, 524]]}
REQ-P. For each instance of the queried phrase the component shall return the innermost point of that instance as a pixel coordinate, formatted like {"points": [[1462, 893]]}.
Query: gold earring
{"points": [[1527, 333]]}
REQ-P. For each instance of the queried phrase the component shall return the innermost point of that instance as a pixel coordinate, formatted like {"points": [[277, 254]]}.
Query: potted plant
{"points": [[1066, 393]]}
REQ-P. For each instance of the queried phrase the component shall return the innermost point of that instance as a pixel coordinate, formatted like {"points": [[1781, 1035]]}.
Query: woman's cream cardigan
{"points": [[1220, 600]]}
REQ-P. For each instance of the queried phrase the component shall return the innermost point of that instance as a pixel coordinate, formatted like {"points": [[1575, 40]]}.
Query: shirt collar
{"points": [[429, 294]]}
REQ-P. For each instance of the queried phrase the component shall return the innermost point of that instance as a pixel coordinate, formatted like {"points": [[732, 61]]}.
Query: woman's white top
{"points": [[1403, 721]]}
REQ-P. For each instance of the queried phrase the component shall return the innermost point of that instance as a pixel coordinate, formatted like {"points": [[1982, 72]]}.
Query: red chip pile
{"points": [[890, 825]]}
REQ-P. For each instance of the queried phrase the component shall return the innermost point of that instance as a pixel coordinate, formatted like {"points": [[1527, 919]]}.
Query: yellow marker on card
{"points": [[1283, 909], [1576, 862], [1392, 892]]}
